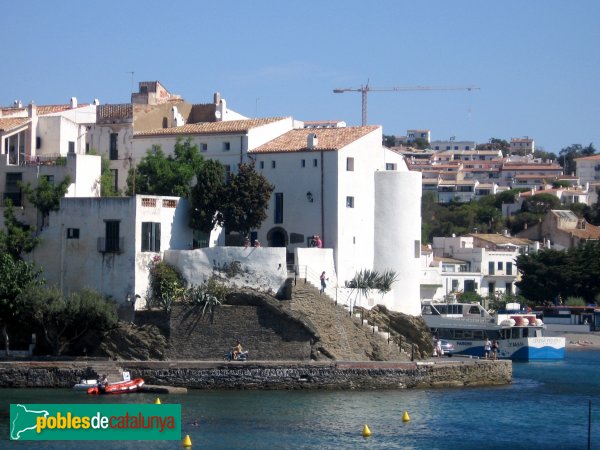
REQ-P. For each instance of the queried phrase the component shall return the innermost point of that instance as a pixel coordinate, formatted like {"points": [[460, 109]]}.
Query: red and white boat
{"points": [[120, 387]]}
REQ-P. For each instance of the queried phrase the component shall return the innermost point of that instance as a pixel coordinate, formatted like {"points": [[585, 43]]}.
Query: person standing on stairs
{"points": [[323, 278]]}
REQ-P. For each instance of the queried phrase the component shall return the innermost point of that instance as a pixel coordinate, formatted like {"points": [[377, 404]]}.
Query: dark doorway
{"points": [[277, 237]]}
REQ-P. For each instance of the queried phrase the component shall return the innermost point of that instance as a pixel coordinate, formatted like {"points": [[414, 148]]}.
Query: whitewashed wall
{"points": [[262, 268], [398, 236]]}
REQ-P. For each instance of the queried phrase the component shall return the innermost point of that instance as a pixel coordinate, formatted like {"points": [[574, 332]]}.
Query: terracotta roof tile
{"points": [[10, 123], [114, 111], [328, 139], [228, 126], [500, 239], [589, 158]]}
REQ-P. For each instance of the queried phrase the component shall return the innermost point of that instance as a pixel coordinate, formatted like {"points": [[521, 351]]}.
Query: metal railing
{"points": [[339, 294], [110, 245]]}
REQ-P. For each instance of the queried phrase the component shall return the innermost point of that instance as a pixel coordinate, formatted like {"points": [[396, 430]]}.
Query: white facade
{"points": [[97, 243], [452, 145], [588, 169], [465, 267]]}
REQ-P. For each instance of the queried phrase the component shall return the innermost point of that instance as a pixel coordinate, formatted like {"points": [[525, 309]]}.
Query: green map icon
{"points": [[23, 420]]}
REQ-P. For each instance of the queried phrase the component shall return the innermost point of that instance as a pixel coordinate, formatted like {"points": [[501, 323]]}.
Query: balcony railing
{"points": [[110, 245]]}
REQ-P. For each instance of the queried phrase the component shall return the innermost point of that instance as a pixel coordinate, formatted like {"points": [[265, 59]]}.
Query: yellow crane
{"points": [[365, 89]]}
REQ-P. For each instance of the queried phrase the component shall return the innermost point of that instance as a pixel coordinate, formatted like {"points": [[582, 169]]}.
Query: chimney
{"points": [[18, 104], [73, 102], [96, 102], [217, 98], [31, 110], [312, 141]]}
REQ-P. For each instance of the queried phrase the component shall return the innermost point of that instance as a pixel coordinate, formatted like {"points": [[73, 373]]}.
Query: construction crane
{"points": [[365, 89]]}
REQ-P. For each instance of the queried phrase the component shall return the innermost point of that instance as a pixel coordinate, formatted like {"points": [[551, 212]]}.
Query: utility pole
{"points": [[365, 89]]}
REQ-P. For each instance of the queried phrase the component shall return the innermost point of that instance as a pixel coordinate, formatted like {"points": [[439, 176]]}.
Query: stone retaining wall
{"points": [[271, 375]]}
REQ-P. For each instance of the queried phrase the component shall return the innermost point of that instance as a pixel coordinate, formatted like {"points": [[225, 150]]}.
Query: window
{"points": [[390, 166], [303, 163], [467, 147], [262, 165], [203, 146], [113, 149], [226, 146], [315, 162], [509, 267], [437, 147], [12, 189], [350, 164], [72, 233], [71, 147], [273, 164], [278, 207], [500, 265], [491, 266], [349, 202], [469, 286], [491, 288], [87, 148], [151, 236], [447, 147], [49, 179], [155, 149], [509, 287], [38, 142], [227, 168], [111, 239], [454, 285], [115, 179]]}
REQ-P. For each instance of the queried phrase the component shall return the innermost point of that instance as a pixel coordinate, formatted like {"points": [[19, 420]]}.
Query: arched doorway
{"points": [[277, 237]]}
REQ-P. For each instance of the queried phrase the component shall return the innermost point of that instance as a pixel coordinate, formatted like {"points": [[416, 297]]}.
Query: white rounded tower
{"points": [[398, 236]]}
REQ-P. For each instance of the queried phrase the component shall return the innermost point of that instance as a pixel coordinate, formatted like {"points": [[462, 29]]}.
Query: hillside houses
{"points": [[335, 181]]}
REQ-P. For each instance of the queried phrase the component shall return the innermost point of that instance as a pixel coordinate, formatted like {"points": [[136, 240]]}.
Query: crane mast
{"points": [[365, 89]]}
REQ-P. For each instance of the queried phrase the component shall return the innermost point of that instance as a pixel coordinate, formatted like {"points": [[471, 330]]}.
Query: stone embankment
{"points": [[451, 372]]}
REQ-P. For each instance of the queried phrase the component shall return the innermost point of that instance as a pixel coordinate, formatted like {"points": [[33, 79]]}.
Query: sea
{"points": [[549, 405]]}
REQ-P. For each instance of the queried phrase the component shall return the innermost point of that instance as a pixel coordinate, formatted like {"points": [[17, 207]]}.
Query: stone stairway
{"points": [[342, 337], [110, 368]]}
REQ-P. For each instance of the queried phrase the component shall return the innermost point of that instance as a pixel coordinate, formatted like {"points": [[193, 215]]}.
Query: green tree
{"points": [[420, 143], [17, 238], [365, 281], [15, 276], [46, 195], [541, 154], [107, 185], [566, 157], [158, 174], [495, 144], [64, 320], [167, 285], [247, 199], [540, 203], [206, 200], [389, 140]]}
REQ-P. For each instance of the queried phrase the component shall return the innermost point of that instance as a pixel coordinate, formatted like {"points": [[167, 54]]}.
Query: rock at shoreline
{"points": [[130, 342]]}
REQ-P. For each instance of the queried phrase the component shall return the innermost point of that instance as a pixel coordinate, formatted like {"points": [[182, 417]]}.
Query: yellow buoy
{"points": [[405, 417], [187, 442], [157, 401], [366, 431]]}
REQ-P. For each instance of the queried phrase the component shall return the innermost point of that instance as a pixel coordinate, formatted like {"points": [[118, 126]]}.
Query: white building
{"points": [[472, 264], [522, 146], [107, 244], [453, 145], [588, 169]]}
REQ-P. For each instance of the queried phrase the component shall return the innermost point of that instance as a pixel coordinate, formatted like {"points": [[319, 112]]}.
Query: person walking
{"points": [[487, 348], [323, 278]]}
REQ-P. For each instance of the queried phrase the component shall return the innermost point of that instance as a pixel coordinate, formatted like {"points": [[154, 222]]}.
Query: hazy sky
{"points": [[537, 61]]}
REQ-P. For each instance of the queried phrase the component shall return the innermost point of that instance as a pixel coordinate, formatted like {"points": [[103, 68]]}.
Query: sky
{"points": [[536, 62]]}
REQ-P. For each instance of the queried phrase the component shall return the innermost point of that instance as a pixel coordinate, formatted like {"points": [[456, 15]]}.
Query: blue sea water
{"points": [[545, 407]]}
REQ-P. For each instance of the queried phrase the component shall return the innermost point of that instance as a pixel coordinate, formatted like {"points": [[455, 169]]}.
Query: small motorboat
{"points": [[84, 385], [120, 387]]}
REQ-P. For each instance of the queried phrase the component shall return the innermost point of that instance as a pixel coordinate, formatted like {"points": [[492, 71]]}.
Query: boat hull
{"points": [[122, 387], [523, 349]]}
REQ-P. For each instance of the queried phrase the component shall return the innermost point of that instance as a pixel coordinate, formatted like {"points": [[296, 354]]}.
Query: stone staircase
{"points": [[342, 337], [108, 367]]}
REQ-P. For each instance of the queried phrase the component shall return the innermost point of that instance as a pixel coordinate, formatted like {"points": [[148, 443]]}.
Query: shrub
{"points": [[167, 285]]}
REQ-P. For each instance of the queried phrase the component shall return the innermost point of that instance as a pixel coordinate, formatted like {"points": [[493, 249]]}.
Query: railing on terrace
{"points": [[54, 159]]}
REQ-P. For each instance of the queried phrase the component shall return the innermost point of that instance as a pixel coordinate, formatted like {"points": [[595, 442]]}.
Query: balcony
{"points": [[110, 245]]}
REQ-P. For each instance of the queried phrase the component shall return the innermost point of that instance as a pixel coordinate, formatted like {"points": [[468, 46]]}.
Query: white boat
{"points": [[520, 334], [84, 385]]}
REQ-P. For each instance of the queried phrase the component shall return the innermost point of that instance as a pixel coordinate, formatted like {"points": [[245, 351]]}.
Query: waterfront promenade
{"points": [[442, 372]]}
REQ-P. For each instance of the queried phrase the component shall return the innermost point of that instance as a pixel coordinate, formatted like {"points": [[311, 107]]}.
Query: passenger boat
{"points": [[520, 334], [120, 387]]}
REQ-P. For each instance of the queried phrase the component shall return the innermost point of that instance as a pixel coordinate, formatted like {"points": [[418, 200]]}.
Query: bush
{"points": [[167, 285], [575, 301]]}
